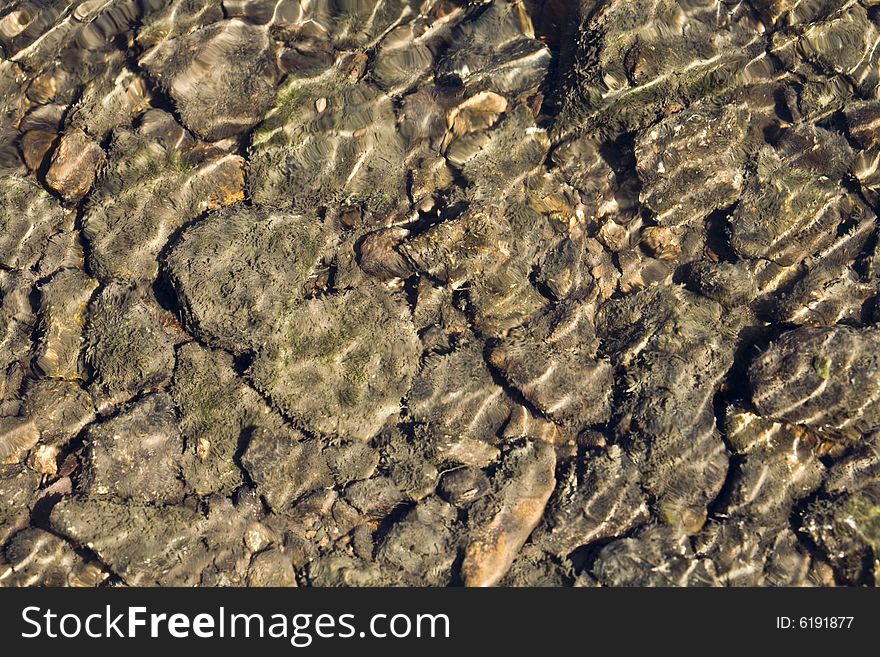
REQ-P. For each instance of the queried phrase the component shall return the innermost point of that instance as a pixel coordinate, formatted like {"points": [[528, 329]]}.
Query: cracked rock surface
{"points": [[439, 292]]}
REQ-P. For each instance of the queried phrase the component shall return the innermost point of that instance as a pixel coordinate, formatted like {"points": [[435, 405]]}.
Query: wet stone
{"points": [[17, 436], [351, 462], [556, 372], [454, 395], [534, 567], [130, 340], [347, 153], [59, 409], [424, 542], [656, 556], [786, 213], [684, 463], [151, 545], [439, 292], [35, 557], [730, 284], [157, 179], [29, 218], [357, 352], [216, 411], [410, 463], [63, 302], [842, 520], [632, 64], [603, 502], [17, 320], [215, 100], [503, 520], [74, 165], [18, 485], [464, 485], [692, 163], [136, 455], [35, 146], [820, 377], [285, 466], [271, 568], [260, 264], [496, 49]]}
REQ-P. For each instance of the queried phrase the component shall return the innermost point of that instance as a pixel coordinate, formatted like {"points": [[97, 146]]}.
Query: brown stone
{"points": [[522, 487], [35, 144], [74, 165]]}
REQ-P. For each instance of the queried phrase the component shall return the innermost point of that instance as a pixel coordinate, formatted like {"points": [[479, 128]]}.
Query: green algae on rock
{"points": [[359, 346]]}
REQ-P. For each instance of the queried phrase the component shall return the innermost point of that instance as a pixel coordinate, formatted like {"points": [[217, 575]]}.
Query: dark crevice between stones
{"points": [[499, 380], [244, 440], [718, 233], [385, 524], [555, 25]]}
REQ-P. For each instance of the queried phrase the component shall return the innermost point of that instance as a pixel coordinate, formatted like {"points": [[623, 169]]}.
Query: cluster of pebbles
{"points": [[432, 292]]}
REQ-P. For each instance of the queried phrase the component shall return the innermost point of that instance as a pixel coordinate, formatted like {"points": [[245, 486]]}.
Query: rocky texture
{"points": [[74, 164], [824, 378], [63, 302], [240, 274], [360, 345], [157, 179], [437, 292], [501, 522], [136, 455], [601, 501], [130, 340], [219, 76], [35, 557], [216, 412], [673, 348]]}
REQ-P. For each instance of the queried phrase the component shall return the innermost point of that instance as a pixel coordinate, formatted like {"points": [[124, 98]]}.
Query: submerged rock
{"points": [[130, 341], [603, 502], [820, 377], [157, 179], [502, 521], [284, 466], [136, 455], [637, 60], [437, 292], [149, 545], [258, 266], [788, 212], [693, 162], [423, 543], [552, 363], [455, 396], [59, 409], [220, 76], [216, 412], [656, 556], [74, 165], [674, 349], [843, 522], [63, 302], [357, 353], [328, 140], [31, 221], [35, 557]]}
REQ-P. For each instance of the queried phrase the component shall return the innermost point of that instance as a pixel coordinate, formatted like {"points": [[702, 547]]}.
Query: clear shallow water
{"points": [[349, 292]]}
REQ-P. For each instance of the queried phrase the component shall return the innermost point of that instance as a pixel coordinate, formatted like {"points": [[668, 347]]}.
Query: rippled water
{"points": [[439, 292]]}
